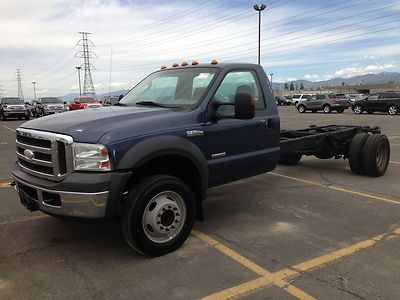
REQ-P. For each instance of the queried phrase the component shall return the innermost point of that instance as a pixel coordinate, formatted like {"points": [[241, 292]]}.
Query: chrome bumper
{"points": [[70, 204]]}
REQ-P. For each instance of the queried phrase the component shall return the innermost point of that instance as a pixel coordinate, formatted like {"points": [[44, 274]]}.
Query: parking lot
{"points": [[314, 230]]}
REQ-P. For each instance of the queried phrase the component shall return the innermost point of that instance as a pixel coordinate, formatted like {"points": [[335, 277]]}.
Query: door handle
{"points": [[270, 123]]}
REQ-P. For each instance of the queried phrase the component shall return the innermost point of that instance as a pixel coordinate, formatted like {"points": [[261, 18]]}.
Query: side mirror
{"points": [[65, 103], [27, 103], [244, 106]]}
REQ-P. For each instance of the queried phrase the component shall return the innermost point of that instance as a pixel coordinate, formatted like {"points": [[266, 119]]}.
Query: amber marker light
{"points": [[194, 63], [175, 65], [214, 62], [163, 67], [184, 64]]}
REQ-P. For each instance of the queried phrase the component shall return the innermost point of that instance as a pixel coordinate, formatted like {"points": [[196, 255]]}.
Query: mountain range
{"points": [[383, 77]]}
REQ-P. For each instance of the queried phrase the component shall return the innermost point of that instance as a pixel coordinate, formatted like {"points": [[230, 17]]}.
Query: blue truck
{"points": [[151, 158]]}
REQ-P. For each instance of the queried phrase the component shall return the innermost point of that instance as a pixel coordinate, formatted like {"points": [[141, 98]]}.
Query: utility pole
{"points": [[86, 54], [109, 83], [79, 80], [259, 9], [272, 74], [19, 83], [34, 90]]}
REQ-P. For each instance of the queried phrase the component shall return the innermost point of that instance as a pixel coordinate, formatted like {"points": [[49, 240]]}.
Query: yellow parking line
{"points": [[395, 162], [266, 275], [5, 185], [6, 127], [379, 198], [297, 270]]}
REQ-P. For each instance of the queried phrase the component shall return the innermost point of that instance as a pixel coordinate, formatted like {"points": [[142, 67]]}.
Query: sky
{"points": [[300, 39]]}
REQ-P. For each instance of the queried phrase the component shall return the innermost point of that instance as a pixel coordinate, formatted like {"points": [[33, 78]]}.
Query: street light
{"points": [[34, 90], [259, 9], [79, 79]]}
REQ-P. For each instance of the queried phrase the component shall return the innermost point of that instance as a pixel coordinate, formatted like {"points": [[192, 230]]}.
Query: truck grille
{"points": [[44, 154]]}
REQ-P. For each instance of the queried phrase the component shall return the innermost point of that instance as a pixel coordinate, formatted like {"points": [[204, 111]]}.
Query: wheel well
{"points": [[177, 166]]}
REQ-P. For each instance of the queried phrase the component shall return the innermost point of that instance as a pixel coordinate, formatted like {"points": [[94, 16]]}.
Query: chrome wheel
{"points": [[357, 109], [164, 217], [301, 109], [392, 110], [327, 109]]}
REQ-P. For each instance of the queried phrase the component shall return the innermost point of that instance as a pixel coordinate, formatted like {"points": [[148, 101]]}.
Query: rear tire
{"points": [[356, 153], [376, 155], [314, 111], [370, 112], [327, 109], [340, 110], [289, 159], [301, 109], [393, 110], [158, 215]]}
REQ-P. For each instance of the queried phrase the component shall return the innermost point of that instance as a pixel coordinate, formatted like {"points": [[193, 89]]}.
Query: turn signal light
{"points": [[214, 62], [194, 63], [175, 65], [163, 67], [184, 63]]}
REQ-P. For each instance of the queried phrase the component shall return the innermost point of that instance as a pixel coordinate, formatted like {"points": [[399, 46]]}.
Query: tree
{"points": [[301, 86], [297, 87], [291, 86], [286, 86]]}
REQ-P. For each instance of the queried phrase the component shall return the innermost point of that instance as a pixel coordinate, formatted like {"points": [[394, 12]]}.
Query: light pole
{"points": [[34, 90], [272, 74], [79, 79], [259, 9]]}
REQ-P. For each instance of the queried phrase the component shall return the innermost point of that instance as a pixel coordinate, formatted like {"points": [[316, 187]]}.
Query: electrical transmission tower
{"points": [[86, 54], [19, 82]]}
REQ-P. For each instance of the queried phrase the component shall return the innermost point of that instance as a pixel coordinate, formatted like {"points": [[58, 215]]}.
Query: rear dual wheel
{"points": [[369, 154]]}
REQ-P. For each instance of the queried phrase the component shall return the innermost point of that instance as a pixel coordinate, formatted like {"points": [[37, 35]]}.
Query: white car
{"points": [[300, 97]]}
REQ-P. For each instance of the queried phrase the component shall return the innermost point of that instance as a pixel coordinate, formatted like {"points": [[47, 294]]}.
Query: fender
{"points": [[154, 147]]}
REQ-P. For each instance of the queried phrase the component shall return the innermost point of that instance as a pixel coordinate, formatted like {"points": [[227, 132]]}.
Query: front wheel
{"points": [[327, 109], [3, 117], [340, 110], [301, 108], [158, 215], [357, 109], [393, 110]]}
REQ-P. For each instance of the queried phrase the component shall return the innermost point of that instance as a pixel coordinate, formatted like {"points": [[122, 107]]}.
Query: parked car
{"points": [[14, 107], [282, 101], [82, 102], [344, 97], [384, 102], [300, 97], [324, 102], [48, 105], [109, 100]]}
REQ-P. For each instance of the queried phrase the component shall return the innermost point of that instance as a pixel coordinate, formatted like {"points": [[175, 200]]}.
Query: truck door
{"points": [[240, 148]]}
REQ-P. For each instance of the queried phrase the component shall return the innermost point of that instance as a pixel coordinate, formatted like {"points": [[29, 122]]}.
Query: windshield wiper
{"points": [[120, 104], [150, 103]]}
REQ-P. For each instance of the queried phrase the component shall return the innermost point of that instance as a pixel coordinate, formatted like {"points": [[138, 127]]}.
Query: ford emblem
{"points": [[28, 154]]}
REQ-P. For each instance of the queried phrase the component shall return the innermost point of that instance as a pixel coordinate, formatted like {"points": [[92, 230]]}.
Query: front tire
{"points": [[3, 117], [290, 159], [393, 110], [301, 109], [340, 110], [357, 109], [158, 215], [356, 153], [376, 155]]}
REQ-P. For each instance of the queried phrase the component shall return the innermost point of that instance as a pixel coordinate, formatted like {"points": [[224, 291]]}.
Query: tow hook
{"points": [[12, 183]]}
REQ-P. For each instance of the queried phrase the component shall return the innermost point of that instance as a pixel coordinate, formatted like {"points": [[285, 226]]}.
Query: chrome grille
{"points": [[44, 154]]}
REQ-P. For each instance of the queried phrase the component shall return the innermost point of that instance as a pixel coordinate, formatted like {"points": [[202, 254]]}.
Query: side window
{"points": [[200, 83], [320, 97], [240, 81]]}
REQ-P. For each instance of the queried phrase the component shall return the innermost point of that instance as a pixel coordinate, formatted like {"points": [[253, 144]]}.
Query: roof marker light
{"points": [[175, 65], [184, 63], [163, 67], [194, 63], [214, 62]]}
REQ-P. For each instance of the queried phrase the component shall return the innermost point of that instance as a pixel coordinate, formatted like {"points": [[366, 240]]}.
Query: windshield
{"points": [[171, 88], [51, 100], [12, 101]]}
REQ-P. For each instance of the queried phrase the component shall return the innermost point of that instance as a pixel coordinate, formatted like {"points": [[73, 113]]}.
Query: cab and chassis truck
{"points": [[180, 131]]}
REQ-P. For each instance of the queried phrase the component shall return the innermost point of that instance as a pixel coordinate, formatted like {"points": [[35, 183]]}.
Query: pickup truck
{"points": [[82, 102], [151, 158]]}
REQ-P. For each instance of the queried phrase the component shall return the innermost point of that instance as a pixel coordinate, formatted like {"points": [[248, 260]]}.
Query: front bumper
{"points": [[80, 195], [53, 111], [11, 113]]}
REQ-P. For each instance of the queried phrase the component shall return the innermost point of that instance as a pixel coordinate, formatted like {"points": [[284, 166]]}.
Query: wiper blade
{"points": [[150, 103]]}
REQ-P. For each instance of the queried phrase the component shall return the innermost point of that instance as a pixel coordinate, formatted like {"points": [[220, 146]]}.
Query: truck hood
{"points": [[89, 125]]}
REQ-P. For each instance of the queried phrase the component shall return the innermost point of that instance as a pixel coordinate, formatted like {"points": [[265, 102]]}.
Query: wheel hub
{"points": [[164, 216]]}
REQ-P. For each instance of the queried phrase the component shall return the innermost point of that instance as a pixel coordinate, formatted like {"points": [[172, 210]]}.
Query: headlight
{"points": [[91, 157]]}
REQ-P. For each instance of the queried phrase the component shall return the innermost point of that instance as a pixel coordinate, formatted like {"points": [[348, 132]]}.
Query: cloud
{"points": [[379, 67], [74, 88], [312, 77], [291, 79]]}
